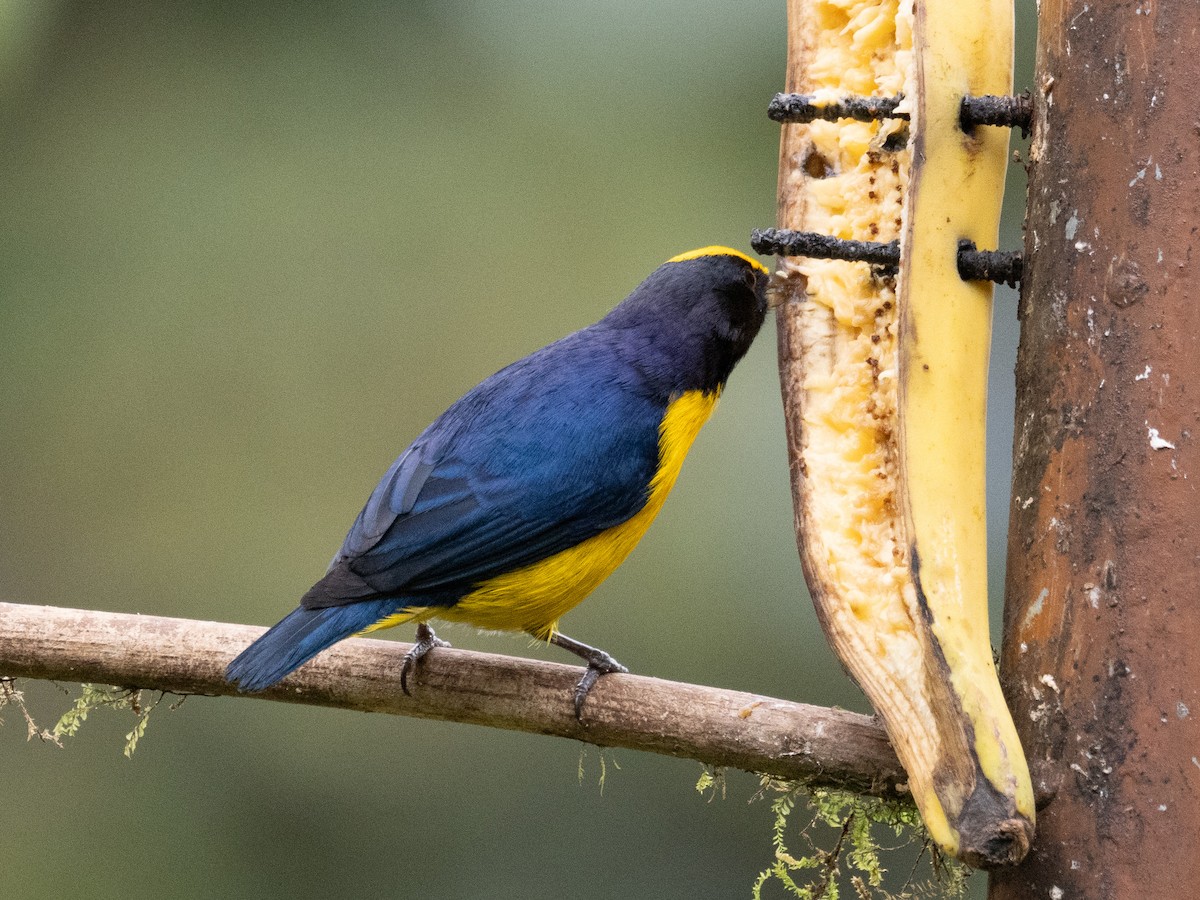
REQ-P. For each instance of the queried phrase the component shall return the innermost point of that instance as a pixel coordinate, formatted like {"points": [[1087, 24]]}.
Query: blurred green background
{"points": [[251, 250]]}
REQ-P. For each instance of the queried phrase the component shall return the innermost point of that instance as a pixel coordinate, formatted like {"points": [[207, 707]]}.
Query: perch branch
{"points": [[713, 726]]}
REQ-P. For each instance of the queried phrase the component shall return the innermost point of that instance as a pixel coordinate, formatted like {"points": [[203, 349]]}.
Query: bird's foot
{"points": [[598, 663], [426, 641]]}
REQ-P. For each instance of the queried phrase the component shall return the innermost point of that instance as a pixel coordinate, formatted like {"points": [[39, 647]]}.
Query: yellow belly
{"points": [[533, 598]]}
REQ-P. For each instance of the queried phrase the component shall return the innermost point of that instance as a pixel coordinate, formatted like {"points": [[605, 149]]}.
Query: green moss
{"points": [[10, 696], [857, 856], [604, 764], [91, 697], [712, 782], [100, 696]]}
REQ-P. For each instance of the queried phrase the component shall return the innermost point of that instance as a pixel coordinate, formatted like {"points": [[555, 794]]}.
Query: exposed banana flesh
{"points": [[885, 385]]}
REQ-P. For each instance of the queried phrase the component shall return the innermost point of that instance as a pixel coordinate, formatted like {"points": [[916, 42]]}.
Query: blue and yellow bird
{"points": [[530, 490]]}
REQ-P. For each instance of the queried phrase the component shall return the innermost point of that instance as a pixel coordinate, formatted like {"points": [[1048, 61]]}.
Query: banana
{"points": [[885, 383]]}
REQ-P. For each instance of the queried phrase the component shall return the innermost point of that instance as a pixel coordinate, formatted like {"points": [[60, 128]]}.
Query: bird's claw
{"points": [[602, 664], [426, 641], [598, 663]]}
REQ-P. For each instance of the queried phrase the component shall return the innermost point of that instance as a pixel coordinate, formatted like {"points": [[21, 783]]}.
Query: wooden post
{"points": [[1101, 654]]}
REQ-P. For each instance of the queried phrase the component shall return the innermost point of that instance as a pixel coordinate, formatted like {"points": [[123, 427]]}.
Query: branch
{"points": [[716, 727]]}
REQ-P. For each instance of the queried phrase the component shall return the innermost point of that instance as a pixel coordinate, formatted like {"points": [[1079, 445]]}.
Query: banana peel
{"points": [[885, 386]]}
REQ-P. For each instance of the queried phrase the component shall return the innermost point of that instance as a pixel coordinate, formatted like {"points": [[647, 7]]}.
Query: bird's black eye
{"points": [[750, 277]]}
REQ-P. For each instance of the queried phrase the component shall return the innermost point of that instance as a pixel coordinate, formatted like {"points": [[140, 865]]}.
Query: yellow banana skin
{"points": [[885, 384]]}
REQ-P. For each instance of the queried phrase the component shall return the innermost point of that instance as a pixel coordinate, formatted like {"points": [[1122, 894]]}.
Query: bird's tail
{"points": [[300, 636]]}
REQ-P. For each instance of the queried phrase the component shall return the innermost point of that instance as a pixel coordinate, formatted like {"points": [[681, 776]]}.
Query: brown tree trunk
{"points": [[1102, 623]]}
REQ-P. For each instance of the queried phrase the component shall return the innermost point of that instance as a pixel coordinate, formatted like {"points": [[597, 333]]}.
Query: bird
{"points": [[531, 489]]}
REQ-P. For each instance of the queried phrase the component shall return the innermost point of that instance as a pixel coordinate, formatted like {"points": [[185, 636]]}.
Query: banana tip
{"points": [[997, 844]]}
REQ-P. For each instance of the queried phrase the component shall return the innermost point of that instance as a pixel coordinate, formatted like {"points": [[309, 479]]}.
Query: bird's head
{"points": [[694, 317]]}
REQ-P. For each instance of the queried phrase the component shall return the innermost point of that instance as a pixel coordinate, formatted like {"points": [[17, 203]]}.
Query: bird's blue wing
{"points": [[538, 458]]}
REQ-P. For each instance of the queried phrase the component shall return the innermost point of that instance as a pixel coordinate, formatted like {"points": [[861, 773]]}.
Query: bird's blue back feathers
{"points": [[544, 454]]}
